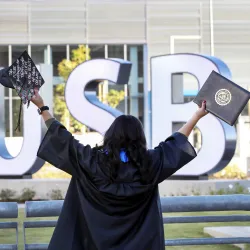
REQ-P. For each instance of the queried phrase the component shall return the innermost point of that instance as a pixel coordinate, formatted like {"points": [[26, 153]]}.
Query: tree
{"points": [[62, 113], [114, 97], [79, 55], [65, 67]]}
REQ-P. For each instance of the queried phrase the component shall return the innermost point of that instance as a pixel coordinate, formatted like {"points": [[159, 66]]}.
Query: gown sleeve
{"points": [[169, 156], [4, 80], [62, 150]]}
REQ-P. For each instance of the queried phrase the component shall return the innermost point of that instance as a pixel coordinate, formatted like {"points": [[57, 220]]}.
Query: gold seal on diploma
{"points": [[223, 97]]}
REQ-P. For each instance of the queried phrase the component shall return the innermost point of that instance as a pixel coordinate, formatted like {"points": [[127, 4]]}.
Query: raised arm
{"points": [[176, 151], [60, 148], [189, 126], [38, 101]]}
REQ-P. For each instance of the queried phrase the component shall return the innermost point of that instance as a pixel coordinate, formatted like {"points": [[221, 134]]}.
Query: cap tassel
{"points": [[19, 118]]}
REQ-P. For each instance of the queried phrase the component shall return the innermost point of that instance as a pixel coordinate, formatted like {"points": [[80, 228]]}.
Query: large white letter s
{"points": [[80, 91]]}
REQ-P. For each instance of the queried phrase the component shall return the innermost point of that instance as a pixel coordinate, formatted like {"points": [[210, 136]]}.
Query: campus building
{"points": [[133, 30]]}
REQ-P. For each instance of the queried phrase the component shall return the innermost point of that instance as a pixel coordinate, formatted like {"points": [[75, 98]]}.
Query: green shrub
{"points": [[196, 192], [56, 194], [7, 194], [232, 189], [27, 195]]}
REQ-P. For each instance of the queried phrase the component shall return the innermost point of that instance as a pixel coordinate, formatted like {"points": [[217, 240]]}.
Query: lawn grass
{"points": [[195, 230], [171, 231]]}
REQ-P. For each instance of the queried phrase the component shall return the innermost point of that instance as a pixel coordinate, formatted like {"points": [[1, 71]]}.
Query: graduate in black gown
{"points": [[112, 201]]}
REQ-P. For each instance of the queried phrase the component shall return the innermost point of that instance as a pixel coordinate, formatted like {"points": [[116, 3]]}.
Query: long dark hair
{"points": [[125, 133]]}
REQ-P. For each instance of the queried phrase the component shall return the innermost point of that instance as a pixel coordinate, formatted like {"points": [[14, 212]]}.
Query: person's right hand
{"points": [[37, 99], [201, 111]]}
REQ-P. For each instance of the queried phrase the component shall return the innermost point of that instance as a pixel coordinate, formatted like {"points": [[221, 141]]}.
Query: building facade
{"points": [[134, 30]]}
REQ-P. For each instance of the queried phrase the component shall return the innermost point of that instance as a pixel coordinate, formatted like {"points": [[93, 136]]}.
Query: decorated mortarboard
{"points": [[25, 78]]}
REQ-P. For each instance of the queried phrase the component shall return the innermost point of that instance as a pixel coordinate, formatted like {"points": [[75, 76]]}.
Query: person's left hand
{"points": [[201, 111], [37, 99]]}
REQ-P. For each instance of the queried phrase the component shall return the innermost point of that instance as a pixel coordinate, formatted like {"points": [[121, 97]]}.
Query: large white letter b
{"points": [[218, 138]]}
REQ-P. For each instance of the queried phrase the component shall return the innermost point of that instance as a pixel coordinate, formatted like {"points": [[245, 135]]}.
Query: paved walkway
{"points": [[220, 232]]}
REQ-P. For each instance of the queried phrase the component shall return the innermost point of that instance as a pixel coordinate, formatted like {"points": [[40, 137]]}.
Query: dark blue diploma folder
{"points": [[224, 98]]}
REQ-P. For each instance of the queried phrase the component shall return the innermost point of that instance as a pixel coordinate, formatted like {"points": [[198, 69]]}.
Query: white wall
{"points": [[167, 188]]}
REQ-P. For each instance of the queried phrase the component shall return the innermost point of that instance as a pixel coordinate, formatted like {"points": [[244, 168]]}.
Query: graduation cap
{"points": [[24, 77]]}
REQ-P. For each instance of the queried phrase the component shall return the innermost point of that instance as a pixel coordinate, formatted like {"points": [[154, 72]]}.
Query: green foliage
{"points": [[114, 97], [56, 194], [78, 56], [65, 67], [230, 172], [7, 194], [232, 189], [27, 195], [196, 192]]}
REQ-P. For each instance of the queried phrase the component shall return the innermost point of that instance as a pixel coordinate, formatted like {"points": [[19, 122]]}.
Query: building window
{"points": [[7, 117], [58, 53], [4, 62], [4, 55], [116, 51], [97, 51], [38, 54], [136, 82]]}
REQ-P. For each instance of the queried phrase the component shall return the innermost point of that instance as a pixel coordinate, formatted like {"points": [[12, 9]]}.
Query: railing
{"points": [[34, 209], [206, 204], [9, 210], [40, 209]]}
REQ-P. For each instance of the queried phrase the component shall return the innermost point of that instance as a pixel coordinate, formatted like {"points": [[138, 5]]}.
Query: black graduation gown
{"points": [[4, 80], [99, 215]]}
